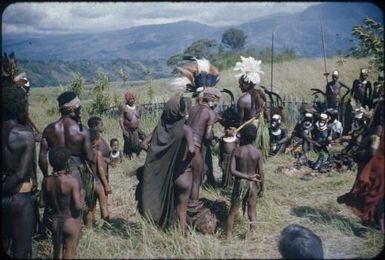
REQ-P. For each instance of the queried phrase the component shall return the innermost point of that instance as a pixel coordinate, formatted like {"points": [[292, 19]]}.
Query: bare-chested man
{"points": [[362, 90], [17, 174], [247, 167], [61, 192], [68, 132], [132, 134], [252, 101], [201, 119], [333, 91]]}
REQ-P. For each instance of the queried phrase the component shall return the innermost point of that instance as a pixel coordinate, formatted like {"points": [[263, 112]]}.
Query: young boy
{"points": [[227, 144], [246, 165], [102, 187], [116, 155], [62, 193]]}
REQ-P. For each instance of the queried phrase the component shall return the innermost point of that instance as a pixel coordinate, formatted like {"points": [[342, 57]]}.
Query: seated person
{"points": [[278, 136], [116, 155], [334, 126], [299, 242], [320, 136], [61, 192]]}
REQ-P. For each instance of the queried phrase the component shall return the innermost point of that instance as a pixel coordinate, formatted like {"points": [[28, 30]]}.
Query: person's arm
{"points": [[43, 162], [259, 169], [241, 111], [42, 198], [121, 121], [145, 144], [76, 196], [220, 156], [344, 86], [285, 137], [120, 156], [101, 171], [24, 142]]}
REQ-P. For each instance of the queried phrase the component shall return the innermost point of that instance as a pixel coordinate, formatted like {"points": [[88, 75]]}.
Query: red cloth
{"points": [[368, 188]]}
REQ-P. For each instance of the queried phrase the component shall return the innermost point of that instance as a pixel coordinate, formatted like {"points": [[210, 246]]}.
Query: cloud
{"points": [[62, 17]]}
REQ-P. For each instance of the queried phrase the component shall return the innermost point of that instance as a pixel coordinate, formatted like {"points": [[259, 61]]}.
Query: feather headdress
{"points": [[195, 76], [250, 69]]}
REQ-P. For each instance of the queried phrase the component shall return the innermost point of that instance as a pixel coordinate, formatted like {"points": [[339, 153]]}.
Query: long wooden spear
{"points": [[272, 59], [326, 74]]}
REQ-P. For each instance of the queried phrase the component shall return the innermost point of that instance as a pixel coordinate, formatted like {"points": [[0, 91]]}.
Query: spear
{"points": [[272, 59], [326, 74]]}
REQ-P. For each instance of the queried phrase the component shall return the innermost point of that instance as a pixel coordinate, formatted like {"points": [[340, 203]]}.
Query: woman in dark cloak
{"points": [[164, 183]]}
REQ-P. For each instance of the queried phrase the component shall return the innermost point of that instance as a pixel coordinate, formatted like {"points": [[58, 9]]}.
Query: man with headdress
{"points": [[17, 174], [321, 140], [333, 91], [68, 132], [132, 134], [278, 136], [199, 77], [303, 131], [361, 91], [164, 183], [253, 101]]}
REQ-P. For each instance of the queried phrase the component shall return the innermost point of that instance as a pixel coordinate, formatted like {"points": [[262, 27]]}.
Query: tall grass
{"points": [[286, 200]]}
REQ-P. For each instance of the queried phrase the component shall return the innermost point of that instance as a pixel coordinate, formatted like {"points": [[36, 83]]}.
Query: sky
{"points": [[74, 17]]}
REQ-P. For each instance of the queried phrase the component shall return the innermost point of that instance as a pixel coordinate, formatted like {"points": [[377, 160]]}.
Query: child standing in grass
{"points": [[227, 144], [246, 165], [116, 155], [62, 192]]}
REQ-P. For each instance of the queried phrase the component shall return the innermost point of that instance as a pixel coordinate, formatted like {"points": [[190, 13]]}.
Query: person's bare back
{"points": [[247, 166]]}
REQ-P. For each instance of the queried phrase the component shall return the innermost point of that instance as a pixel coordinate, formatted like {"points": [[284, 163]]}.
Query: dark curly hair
{"points": [[94, 121], [14, 104], [58, 157], [249, 133]]}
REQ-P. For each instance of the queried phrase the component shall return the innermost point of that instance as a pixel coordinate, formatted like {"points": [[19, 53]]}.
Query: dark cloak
{"points": [[156, 198]]}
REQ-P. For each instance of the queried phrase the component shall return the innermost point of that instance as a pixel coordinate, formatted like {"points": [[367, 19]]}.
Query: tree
{"points": [[148, 77], [101, 103], [200, 48], [77, 84], [234, 38], [371, 42], [123, 75]]}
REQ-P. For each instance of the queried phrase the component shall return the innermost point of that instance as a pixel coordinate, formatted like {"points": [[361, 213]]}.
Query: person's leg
{"points": [[72, 232], [183, 189], [57, 239], [252, 208], [233, 214], [197, 167], [102, 201], [89, 217], [23, 223]]}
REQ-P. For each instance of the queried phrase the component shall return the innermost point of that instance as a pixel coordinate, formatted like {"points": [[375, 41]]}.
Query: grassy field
{"points": [[310, 202]]}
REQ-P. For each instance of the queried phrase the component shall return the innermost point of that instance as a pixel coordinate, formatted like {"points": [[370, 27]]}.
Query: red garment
{"points": [[368, 188]]}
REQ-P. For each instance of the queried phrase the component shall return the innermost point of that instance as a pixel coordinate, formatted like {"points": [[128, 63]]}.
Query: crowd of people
{"points": [[178, 155]]}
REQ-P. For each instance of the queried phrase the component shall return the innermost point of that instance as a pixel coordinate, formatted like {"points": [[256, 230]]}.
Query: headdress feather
{"points": [[250, 69]]}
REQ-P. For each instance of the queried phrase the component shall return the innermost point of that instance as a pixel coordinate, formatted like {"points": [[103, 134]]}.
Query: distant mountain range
{"points": [[300, 31]]}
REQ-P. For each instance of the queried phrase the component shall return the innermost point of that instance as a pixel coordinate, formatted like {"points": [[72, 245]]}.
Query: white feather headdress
{"points": [[250, 68]]}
